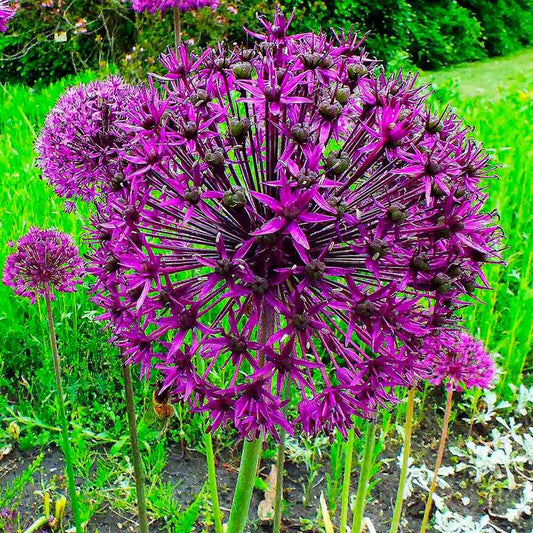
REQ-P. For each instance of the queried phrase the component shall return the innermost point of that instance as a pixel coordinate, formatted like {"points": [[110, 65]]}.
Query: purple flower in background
{"points": [[45, 260], [81, 140], [164, 5], [7, 12], [292, 221], [461, 362]]}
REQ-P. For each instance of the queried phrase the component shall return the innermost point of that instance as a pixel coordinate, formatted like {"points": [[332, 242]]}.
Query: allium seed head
{"points": [[45, 260], [81, 140], [461, 362], [292, 222]]}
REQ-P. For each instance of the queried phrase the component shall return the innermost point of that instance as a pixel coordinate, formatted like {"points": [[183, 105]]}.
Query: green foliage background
{"points": [[426, 33]]}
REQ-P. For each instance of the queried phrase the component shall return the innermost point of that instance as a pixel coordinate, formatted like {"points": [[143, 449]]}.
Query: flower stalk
{"points": [[177, 26], [440, 455], [245, 486], [347, 480], [212, 479], [408, 430], [364, 477], [67, 449], [135, 452]]}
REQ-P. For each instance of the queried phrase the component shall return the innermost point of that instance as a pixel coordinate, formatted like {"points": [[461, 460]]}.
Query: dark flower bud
{"points": [[454, 270], [215, 158], [469, 283], [459, 192], [200, 97], [260, 285], [300, 322], [434, 125], [444, 232], [224, 267], [300, 133], [330, 110], [356, 71], [311, 60], [148, 123], [267, 240], [237, 345], [131, 215], [190, 130], [343, 94], [272, 94], [192, 195], [315, 269], [247, 54], [339, 204], [186, 319], [306, 179], [338, 162], [432, 168], [420, 262], [222, 63], [239, 126], [234, 198], [111, 264], [377, 248], [365, 309], [396, 213], [242, 70], [117, 182], [441, 283]]}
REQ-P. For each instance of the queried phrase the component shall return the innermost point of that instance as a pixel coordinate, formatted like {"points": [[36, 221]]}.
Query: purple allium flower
{"points": [[164, 5], [291, 219], [8, 520], [44, 260], [80, 142], [7, 12], [461, 362]]}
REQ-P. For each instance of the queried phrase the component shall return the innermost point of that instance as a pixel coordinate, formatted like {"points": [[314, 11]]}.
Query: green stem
{"points": [[280, 464], [408, 430], [440, 455], [67, 450], [245, 486], [38, 524], [177, 27], [362, 486], [135, 452], [212, 478], [347, 481]]}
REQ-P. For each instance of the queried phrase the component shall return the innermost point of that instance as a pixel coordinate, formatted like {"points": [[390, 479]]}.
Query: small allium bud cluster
{"points": [[460, 361], [81, 141], [7, 12], [164, 5], [293, 220], [44, 261]]}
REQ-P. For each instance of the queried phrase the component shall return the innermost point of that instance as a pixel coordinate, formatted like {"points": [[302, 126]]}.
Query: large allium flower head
{"points": [[294, 220], [153, 6], [44, 260], [7, 12], [461, 361], [82, 139]]}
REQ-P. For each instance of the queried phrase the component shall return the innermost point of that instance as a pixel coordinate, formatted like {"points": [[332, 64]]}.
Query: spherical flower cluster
{"points": [[461, 362], [80, 142], [164, 5], [294, 223], [7, 12], [44, 260]]}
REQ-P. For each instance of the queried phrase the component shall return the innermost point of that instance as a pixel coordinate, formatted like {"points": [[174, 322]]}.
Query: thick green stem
{"points": [[408, 430], [135, 452], [245, 486], [67, 450], [177, 27], [348, 456], [440, 455], [362, 486], [212, 478], [37, 525], [280, 464]]}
